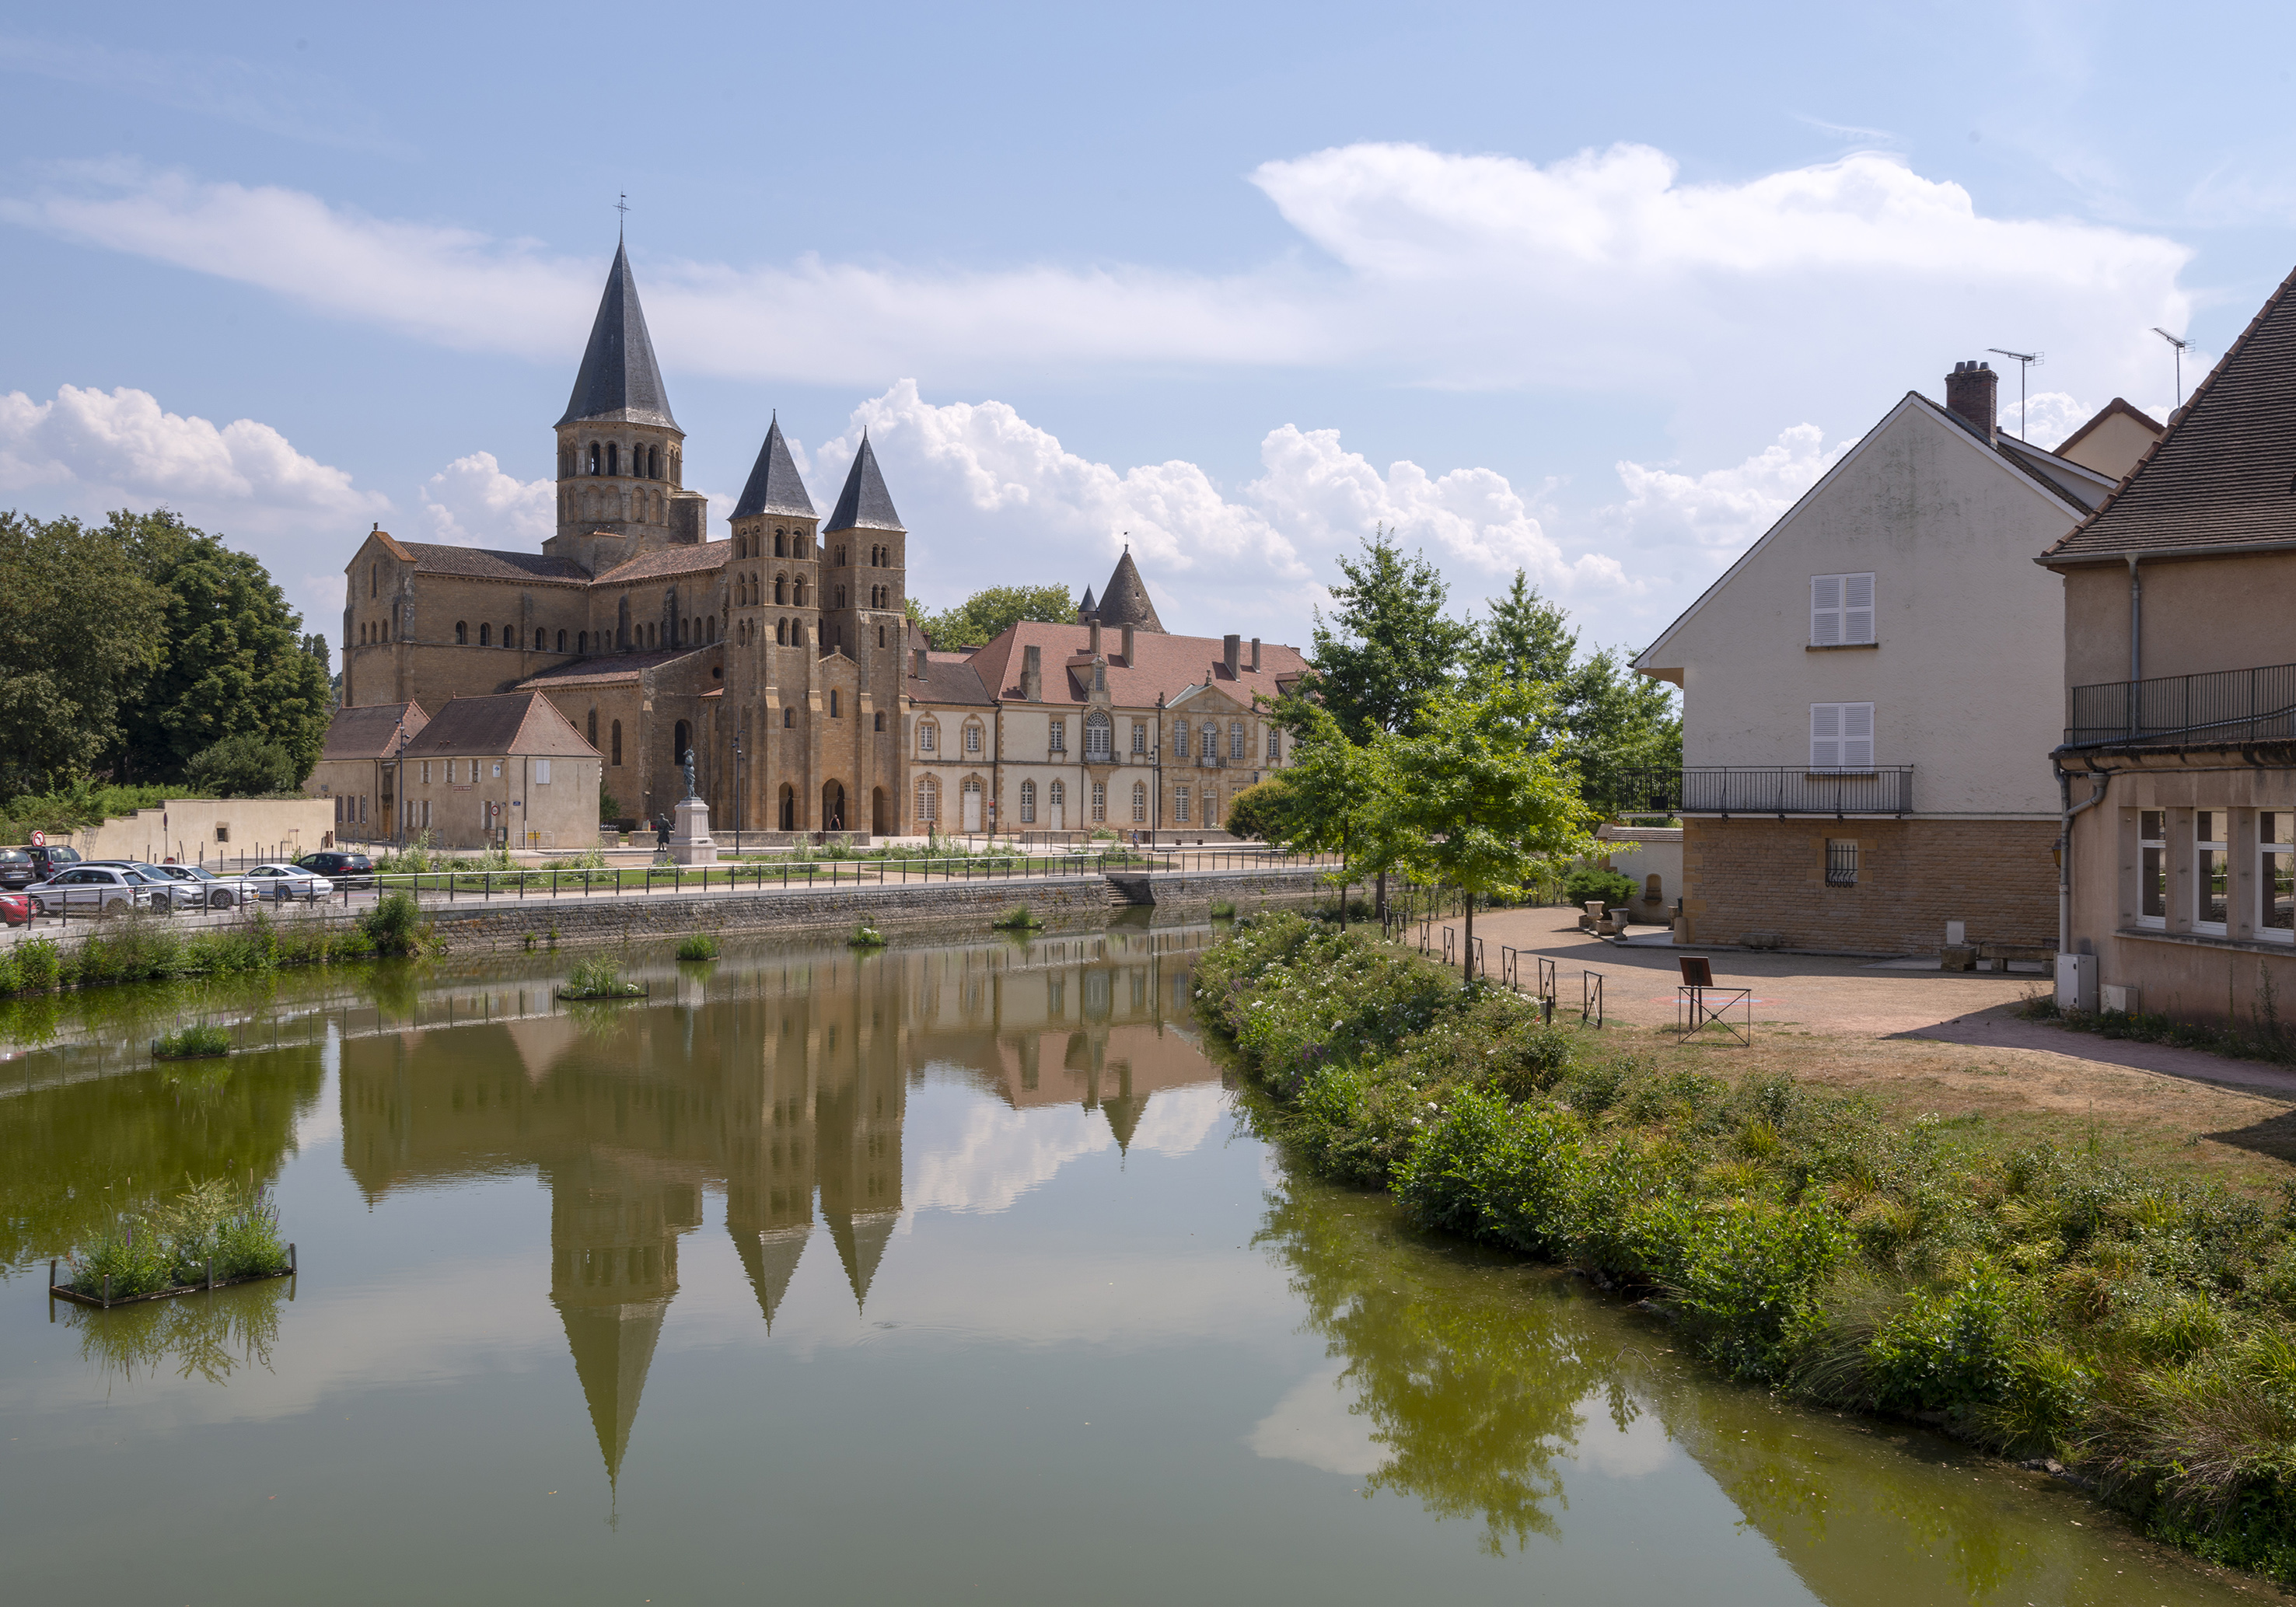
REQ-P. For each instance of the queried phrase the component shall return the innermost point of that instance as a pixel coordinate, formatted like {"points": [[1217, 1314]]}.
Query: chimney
{"points": [[1094, 648], [1032, 673], [1970, 391], [1127, 647], [1231, 652], [1255, 655], [917, 663]]}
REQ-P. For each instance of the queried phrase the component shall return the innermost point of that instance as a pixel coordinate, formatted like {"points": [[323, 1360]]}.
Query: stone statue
{"points": [[688, 762]]}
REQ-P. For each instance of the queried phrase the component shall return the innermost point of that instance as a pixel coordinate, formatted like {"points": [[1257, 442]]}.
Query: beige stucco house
{"points": [[1861, 695], [508, 769], [2179, 751]]}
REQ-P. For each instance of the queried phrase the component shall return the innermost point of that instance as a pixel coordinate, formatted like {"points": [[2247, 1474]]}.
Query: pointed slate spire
{"points": [[619, 380], [864, 505], [1085, 608], [774, 485], [770, 1259], [860, 1240], [613, 1347], [1124, 601]]}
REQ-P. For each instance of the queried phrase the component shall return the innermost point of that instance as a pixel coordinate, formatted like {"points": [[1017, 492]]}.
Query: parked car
{"points": [[339, 866], [49, 858], [285, 881], [95, 889], [216, 892], [170, 894], [16, 908], [17, 871]]}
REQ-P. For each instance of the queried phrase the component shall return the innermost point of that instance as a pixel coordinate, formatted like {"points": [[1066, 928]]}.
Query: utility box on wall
{"points": [[2077, 982]]}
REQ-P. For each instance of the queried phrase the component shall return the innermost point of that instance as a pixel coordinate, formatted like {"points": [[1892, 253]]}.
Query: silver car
{"points": [[94, 890], [168, 893], [285, 881], [216, 892]]}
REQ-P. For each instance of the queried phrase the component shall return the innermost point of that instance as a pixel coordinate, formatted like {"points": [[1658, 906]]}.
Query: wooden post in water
{"points": [[291, 1260]]}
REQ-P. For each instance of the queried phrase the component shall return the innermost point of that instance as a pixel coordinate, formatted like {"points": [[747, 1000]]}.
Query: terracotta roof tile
{"points": [[371, 730], [1166, 665], [481, 563], [661, 562], [2223, 475], [506, 723], [602, 669]]}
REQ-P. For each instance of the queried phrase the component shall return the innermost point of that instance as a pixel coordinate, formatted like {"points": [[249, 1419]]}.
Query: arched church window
{"points": [[840, 596], [780, 544], [582, 645], [880, 635], [653, 463], [591, 729], [881, 719], [541, 641], [510, 636], [617, 741], [781, 588], [561, 641], [613, 461], [796, 633], [593, 457], [797, 591], [788, 718], [462, 634], [485, 635], [781, 632]]}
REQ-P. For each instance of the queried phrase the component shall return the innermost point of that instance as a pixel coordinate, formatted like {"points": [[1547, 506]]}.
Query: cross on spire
{"points": [[623, 206]]}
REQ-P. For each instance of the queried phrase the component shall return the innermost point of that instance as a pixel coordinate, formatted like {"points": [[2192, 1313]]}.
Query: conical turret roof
{"points": [[620, 382], [1085, 608], [613, 1347], [774, 485], [1124, 601], [864, 505], [770, 1259], [860, 1240]]}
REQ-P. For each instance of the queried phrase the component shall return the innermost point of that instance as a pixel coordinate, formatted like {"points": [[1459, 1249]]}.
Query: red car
{"points": [[16, 909]]}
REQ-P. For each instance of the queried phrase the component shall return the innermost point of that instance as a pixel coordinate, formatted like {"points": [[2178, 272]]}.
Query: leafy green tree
{"points": [[987, 615], [84, 633], [1613, 721], [1527, 637], [1261, 811], [242, 764], [1332, 804], [1388, 645], [1471, 799], [237, 661]]}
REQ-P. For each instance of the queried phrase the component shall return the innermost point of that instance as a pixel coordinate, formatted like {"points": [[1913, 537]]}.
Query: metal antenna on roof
{"points": [[2181, 346], [2025, 361]]}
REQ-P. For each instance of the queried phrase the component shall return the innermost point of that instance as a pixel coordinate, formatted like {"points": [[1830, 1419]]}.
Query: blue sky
{"points": [[1593, 292]]}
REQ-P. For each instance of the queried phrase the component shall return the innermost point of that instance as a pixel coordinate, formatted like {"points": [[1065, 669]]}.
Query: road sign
{"points": [[39, 839]]}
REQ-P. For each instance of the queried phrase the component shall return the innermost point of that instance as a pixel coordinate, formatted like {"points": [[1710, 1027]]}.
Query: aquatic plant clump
{"points": [[697, 946], [600, 979], [197, 1042], [1019, 918], [2138, 1326], [172, 1245], [866, 936]]}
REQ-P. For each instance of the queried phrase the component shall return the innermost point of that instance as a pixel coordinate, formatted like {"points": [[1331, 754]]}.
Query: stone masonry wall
{"points": [[477, 925], [1760, 877]]}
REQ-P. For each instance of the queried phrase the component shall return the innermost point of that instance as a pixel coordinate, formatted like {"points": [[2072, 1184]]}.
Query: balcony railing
{"points": [[1756, 789], [2226, 709]]}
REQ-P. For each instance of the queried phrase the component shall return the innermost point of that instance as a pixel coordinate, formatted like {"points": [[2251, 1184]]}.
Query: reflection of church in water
{"points": [[783, 1085]]}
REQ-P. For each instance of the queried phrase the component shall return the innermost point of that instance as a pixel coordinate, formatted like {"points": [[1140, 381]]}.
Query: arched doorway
{"points": [[789, 807], [833, 805], [877, 824]]}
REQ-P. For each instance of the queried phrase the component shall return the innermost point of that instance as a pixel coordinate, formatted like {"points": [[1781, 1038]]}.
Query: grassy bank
{"points": [[2041, 1297], [149, 948]]}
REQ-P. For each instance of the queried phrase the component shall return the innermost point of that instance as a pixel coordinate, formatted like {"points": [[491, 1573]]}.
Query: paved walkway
{"points": [[1840, 996]]}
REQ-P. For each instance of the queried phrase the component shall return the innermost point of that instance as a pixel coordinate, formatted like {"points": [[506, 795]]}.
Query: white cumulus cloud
{"points": [[472, 502], [1599, 269], [1720, 511], [1216, 559], [87, 452]]}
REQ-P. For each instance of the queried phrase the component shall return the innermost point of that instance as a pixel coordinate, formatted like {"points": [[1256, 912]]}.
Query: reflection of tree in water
{"points": [[1470, 1379], [205, 1335]]}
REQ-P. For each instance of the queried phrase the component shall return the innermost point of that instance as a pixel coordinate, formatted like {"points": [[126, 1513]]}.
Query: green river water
{"points": [[943, 1274]]}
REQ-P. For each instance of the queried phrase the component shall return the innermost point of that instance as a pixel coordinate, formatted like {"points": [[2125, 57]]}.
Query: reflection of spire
{"points": [[1123, 1110], [861, 1245], [613, 1346], [770, 1260]]}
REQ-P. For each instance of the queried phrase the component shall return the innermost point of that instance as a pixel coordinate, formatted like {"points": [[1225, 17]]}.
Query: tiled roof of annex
{"points": [[949, 678], [371, 730], [2220, 479], [1163, 667], [506, 723], [482, 563], [659, 563]]}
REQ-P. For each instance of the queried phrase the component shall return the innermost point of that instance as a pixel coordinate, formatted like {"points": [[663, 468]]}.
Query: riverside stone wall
{"points": [[477, 925]]}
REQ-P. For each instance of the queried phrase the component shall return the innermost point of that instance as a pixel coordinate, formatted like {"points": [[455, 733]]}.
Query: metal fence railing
{"points": [[1766, 790], [2226, 707]]}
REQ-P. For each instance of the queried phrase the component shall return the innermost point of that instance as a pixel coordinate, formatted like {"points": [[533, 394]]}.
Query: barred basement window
{"points": [[1841, 862]]}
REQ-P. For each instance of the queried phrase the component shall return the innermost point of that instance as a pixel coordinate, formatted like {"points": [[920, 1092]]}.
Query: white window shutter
{"points": [[1825, 736], [1857, 736], [1857, 608], [1825, 609]]}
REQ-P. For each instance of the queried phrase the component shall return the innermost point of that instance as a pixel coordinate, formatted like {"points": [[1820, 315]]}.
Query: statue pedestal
{"points": [[689, 834]]}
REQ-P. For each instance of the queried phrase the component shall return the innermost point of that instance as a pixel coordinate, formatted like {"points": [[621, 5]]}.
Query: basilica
{"points": [[782, 658]]}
